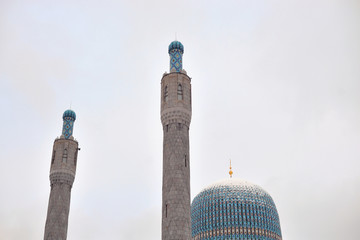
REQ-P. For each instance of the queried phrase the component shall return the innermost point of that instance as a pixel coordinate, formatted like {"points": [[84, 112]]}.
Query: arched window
{"points": [[64, 159], [166, 93], [180, 92]]}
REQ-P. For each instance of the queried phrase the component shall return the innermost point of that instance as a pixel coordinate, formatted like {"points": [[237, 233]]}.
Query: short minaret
{"points": [[62, 174], [175, 118]]}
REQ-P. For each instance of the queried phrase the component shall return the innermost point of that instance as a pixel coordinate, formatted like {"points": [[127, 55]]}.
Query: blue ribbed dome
{"points": [[234, 209], [69, 113], [176, 45]]}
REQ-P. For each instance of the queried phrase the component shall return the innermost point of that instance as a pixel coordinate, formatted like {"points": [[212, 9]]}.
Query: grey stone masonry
{"points": [[62, 175], [176, 118]]}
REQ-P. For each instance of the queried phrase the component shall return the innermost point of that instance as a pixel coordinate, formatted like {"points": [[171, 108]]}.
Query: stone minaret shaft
{"points": [[175, 118], [62, 174]]}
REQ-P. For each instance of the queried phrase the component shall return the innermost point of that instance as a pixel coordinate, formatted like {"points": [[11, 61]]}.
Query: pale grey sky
{"points": [[275, 88]]}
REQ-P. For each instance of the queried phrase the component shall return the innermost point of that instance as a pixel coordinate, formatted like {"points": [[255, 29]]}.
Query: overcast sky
{"points": [[275, 87]]}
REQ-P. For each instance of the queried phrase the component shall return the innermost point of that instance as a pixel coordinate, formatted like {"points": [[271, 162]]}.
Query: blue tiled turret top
{"points": [[69, 118], [234, 209], [176, 50]]}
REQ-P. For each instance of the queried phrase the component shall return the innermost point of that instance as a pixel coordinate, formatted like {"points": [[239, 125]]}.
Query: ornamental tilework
{"points": [[234, 209], [175, 60], [176, 45], [68, 126], [69, 117]]}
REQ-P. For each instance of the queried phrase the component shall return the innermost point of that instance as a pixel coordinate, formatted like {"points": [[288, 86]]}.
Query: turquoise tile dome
{"points": [[234, 209], [69, 118], [176, 45], [69, 114]]}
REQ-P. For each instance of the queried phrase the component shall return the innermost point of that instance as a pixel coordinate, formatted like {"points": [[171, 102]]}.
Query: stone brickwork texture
{"points": [[62, 175], [176, 118]]}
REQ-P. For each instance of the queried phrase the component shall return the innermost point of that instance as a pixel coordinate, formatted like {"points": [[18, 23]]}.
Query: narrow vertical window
{"points": [[179, 126], [75, 156], [166, 206], [64, 159], [180, 92], [53, 157], [166, 93], [167, 127], [185, 161]]}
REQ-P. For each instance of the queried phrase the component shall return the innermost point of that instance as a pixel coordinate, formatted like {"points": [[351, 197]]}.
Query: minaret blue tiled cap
{"points": [[176, 45], [69, 118], [69, 114], [176, 50]]}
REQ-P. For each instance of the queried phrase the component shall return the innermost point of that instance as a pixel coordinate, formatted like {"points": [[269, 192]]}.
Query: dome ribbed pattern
{"points": [[69, 114], [176, 45], [234, 209]]}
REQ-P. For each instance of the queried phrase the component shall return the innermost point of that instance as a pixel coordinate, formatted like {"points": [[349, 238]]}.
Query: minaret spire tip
{"points": [[230, 172]]}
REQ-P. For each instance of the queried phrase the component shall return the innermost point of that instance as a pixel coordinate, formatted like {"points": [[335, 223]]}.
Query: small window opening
{"points": [[64, 159], [166, 210], [180, 92], [185, 161], [179, 126], [53, 157], [166, 93]]}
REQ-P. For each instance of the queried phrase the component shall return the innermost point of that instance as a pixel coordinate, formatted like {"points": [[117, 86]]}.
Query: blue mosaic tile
{"points": [[69, 118], [234, 209], [176, 50]]}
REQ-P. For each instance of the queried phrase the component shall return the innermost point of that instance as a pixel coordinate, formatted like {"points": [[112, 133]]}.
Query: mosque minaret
{"points": [[175, 118], [62, 174]]}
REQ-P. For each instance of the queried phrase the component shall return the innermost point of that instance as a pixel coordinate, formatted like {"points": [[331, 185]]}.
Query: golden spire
{"points": [[230, 172]]}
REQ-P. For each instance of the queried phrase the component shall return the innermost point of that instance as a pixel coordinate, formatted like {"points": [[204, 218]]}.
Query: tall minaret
{"points": [[62, 174], [175, 118]]}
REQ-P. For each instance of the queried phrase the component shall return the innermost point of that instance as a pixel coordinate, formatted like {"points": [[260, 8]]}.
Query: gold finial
{"points": [[230, 172]]}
